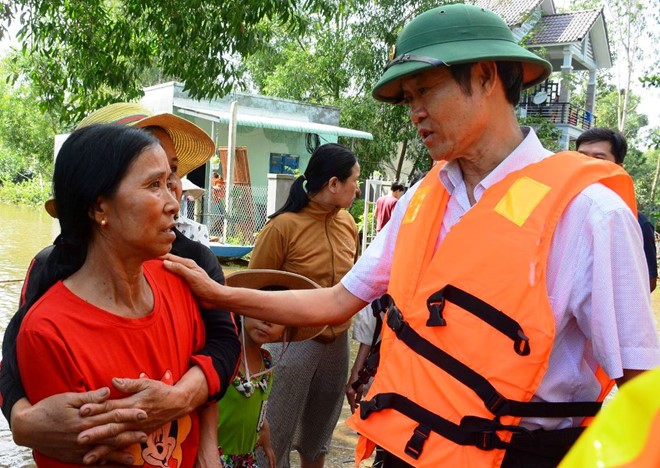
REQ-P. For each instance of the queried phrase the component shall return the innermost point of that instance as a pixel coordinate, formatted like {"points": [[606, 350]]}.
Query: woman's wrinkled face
{"points": [[139, 216], [168, 146]]}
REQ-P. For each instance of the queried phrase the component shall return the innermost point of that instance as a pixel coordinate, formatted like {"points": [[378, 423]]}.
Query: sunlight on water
{"points": [[24, 231]]}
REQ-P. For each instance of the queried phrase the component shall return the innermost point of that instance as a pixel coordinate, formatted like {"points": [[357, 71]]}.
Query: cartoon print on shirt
{"points": [[163, 446]]}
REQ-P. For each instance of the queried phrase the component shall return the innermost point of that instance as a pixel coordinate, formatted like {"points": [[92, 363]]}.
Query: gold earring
{"points": [[104, 222]]}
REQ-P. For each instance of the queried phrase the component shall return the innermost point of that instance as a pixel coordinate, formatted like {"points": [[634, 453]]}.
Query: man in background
{"points": [[385, 205], [610, 145]]}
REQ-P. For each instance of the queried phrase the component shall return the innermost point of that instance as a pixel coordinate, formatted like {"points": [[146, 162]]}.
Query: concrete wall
{"points": [[260, 142]]}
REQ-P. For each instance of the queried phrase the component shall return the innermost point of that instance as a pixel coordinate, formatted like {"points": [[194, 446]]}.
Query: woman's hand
{"points": [[52, 426], [204, 288], [157, 402]]}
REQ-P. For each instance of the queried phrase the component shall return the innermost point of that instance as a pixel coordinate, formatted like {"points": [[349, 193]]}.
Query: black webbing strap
{"points": [[378, 307], [481, 435], [495, 402], [472, 430], [489, 314], [370, 367], [539, 439]]}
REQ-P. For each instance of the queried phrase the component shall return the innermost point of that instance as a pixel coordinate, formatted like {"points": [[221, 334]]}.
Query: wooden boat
{"points": [[228, 251]]}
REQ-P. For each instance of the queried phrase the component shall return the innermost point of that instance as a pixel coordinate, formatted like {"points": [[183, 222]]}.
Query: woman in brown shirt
{"points": [[312, 235]]}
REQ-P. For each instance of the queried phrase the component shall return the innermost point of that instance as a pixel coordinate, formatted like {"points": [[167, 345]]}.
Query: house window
{"points": [[281, 163]]}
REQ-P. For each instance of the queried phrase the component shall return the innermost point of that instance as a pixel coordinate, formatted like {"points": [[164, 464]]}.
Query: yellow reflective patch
{"points": [[415, 204], [520, 200]]}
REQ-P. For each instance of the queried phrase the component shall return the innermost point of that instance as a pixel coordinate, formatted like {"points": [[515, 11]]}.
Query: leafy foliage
{"points": [[606, 109], [5, 17], [607, 103], [84, 54], [337, 62], [26, 141], [547, 132], [651, 80], [30, 192]]}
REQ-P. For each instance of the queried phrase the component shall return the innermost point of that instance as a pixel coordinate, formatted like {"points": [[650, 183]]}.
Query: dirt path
{"points": [[342, 446]]}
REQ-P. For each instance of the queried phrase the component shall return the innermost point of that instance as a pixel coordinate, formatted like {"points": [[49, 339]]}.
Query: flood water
{"points": [[24, 231]]}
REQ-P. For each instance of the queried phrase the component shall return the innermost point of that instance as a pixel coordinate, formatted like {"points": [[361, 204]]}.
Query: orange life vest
{"points": [[469, 340]]}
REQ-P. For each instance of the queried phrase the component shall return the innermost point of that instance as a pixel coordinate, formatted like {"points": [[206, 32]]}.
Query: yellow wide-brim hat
{"points": [[192, 145], [266, 279]]}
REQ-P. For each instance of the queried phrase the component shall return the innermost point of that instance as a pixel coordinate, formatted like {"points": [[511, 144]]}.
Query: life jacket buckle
{"points": [[436, 304], [521, 344], [495, 403], [367, 372], [369, 406], [395, 319], [486, 440], [381, 305], [415, 445], [483, 431]]}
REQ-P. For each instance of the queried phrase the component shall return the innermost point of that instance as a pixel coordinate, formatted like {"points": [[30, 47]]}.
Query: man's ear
{"points": [[486, 76]]}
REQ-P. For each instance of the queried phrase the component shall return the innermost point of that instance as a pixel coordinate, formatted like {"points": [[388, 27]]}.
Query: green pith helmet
{"points": [[454, 34]]}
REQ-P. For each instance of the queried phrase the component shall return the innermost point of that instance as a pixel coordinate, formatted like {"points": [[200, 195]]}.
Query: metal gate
{"points": [[373, 190]]}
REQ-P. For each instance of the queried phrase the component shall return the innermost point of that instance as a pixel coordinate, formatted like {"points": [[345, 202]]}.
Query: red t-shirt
{"points": [[384, 207], [68, 345]]}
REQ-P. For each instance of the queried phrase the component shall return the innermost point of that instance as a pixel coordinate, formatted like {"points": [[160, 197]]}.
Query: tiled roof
{"points": [[564, 28], [514, 12]]}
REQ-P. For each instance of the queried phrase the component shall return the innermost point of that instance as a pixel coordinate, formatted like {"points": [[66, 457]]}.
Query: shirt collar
{"points": [[529, 151], [320, 210]]}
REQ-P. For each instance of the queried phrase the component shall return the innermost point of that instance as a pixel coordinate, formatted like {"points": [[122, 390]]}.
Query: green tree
{"points": [[630, 21], [651, 80], [643, 169], [87, 53], [26, 134], [337, 62], [608, 111], [26, 142]]}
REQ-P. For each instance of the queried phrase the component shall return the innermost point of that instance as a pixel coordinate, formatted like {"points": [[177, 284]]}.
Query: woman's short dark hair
{"points": [[91, 163], [328, 161], [510, 73]]}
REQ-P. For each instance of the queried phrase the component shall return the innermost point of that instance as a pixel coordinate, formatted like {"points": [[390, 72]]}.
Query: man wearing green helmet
{"points": [[518, 276]]}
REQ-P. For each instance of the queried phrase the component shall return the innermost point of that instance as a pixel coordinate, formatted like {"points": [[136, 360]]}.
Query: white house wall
{"points": [[260, 142], [159, 98]]}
